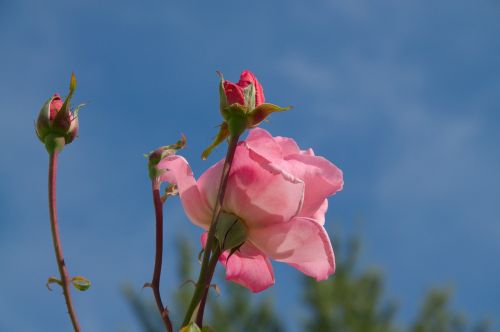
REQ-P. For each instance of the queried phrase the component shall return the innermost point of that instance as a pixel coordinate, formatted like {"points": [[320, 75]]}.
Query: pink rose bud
{"points": [[242, 105], [247, 92], [57, 121]]}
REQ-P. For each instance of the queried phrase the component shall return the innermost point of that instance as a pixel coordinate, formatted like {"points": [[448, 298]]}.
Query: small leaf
{"points": [[221, 136], [80, 283], [53, 280], [72, 82], [147, 285]]}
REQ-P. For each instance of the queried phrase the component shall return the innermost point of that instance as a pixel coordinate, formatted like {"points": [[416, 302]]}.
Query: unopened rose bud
{"points": [[247, 92], [242, 106], [154, 157], [56, 121]]}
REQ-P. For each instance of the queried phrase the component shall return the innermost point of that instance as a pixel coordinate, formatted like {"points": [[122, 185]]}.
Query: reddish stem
{"points": [[155, 283], [63, 271]]}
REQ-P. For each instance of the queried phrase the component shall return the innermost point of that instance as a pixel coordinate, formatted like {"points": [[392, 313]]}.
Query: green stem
{"points": [[211, 269], [204, 279], [155, 283], [63, 271]]}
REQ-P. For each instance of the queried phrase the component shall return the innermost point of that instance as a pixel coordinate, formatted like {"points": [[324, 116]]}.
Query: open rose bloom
{"points": [[279, 192]]}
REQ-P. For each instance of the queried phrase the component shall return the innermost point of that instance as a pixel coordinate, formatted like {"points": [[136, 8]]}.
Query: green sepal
{"points": [[233, 110], [54, 143], [81, 283], [221, 136], [53, 280], [258, 114], [77, 110], [249, 94], [62, 122], [43, 121], [231, 232], [192, 327], [222, 93], [236, 118], [72, 88]]}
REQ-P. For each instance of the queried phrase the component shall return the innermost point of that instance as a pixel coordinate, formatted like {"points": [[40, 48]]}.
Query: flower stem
{"points": [[205, 276], [63, 271], [155, 283], [211, 269]]}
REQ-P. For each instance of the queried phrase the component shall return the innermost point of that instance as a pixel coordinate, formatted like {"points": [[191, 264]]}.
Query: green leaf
{"points": [[80, 283], [260, 113], [53, 280], [221, 136]]}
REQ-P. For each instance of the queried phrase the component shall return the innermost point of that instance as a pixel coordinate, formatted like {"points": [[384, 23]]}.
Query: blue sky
{"points": [[403, 96]]}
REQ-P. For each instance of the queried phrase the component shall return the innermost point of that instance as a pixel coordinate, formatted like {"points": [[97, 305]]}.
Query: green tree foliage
{"points": [[349, 301], [353, 300], [435, 315]]}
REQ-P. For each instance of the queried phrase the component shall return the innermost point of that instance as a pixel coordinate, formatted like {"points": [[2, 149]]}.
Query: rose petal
{"points": [[253, 193], [321, 178], [258, 196], [282, 155], [261, 142], [248, 267], [288, 145], [55, 106], [302, 243], [177, 171], [234, 93], [319, 215]]}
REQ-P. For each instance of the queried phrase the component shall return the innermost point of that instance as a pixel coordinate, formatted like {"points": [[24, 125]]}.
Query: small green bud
{"points": [[154, 157]]}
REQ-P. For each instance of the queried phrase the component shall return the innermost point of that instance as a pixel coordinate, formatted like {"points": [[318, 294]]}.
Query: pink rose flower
{"points": [[235, 92], [279, 192]]}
